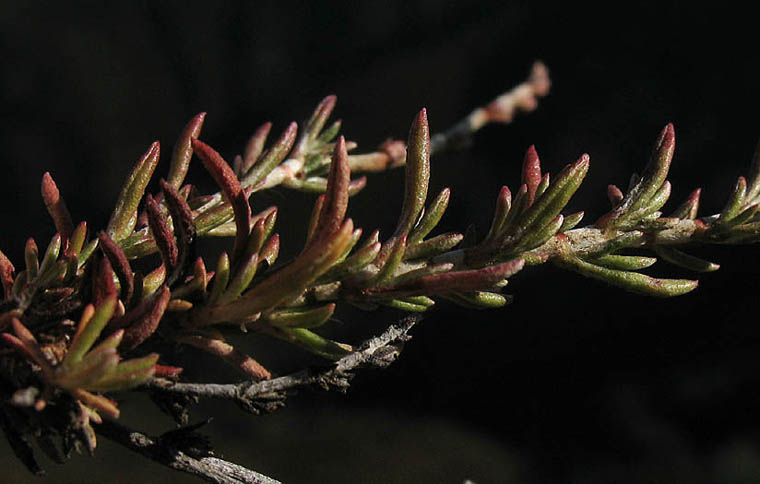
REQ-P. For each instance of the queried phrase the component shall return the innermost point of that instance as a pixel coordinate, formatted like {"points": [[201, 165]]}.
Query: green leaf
{"points": [[417, 174], [630, 281], [503, 206], [254, 147], [392, 263], [313, 342], [272, 157], [124, 216], [90, 326], [239, 283], [681, 259], [571, 221], [480, 299], [221, 277], [56, 207], [430, 218], [183, 151], [410, 304], [433, 246], [555, 198], [688, 209], [310, 317], [623, 262]]}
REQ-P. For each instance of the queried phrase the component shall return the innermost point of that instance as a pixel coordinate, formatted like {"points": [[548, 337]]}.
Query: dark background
{"points": [[576, 381]]}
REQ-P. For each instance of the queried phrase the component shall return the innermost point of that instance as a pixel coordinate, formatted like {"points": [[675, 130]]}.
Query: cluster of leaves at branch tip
{"points": [[128, 317]]}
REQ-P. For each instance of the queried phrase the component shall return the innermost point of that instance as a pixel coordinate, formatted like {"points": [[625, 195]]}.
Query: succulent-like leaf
{"points": [[336, 197], [284, 284], [183, 151], [221, 277], [119, 264], [531, 174], [630, 281], [454, 281], [233, 191], [124, 216], [623, 262], [56, 207], [549, 205], [91, 324], [433, 246], [646, 186], [312, 342], [31, 258], [229, 354], [254, 147], [681, 259], [272, 157], [310, 317], [417, 174], [430, 218], [145, 325]]}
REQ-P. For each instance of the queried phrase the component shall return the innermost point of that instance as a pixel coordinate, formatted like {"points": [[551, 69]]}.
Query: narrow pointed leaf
{"points": [[687, 261], [127, 374], [254, 147], [624, 262], [119, 264], [539, 237], [284, 284], [56, 207], [395, 256], [91, 329], [124, 216], [431, 217], [556, 196], [645, 187], [51, 253], [239, 283], [301, 317], [531, 174], [273, 157], [336, 197], [233, 191], [409, 305], [221, 277], [31, 258], [78, 237], [630, 281], [503, 205], [230, 355], [433, 246], [688, 209], [313, 342], [417, 174], [735, 201], [183, 151], [480, 299], [162, 234], [147, 324], [154, 279], [571, 221], [455, 281]]}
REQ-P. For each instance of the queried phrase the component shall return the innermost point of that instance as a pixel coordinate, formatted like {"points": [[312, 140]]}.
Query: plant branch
{"points": [[175, 450], [268, 395]]}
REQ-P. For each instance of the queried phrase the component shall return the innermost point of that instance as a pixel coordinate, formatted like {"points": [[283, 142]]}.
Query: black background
{"points": [[576, 381]]}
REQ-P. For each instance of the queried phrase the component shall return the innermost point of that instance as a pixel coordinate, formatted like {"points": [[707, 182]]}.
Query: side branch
{"points": [[269, 395]]}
